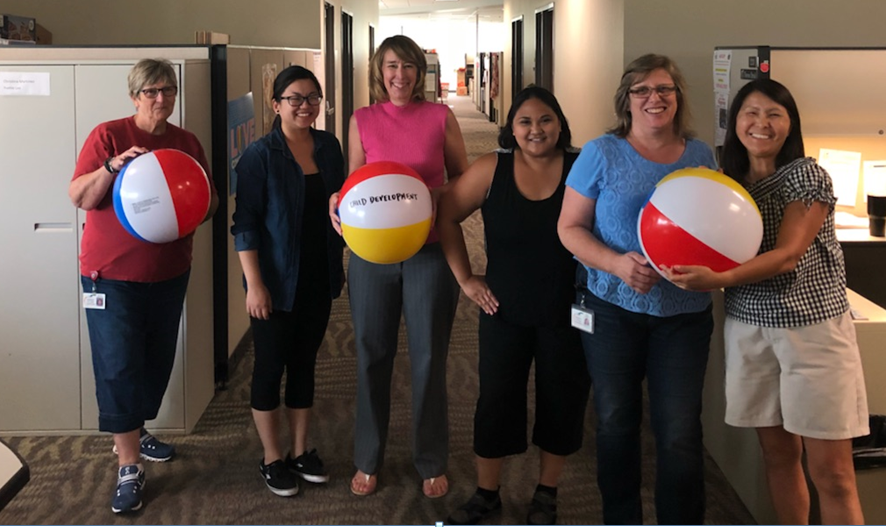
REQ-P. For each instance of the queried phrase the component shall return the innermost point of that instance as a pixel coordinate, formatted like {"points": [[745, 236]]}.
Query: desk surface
{"points": [[849, 235], [14, 474]]}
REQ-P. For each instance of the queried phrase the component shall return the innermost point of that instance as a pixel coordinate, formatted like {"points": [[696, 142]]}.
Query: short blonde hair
{"points": [[635, 72], [150, 71], [408, 51]]}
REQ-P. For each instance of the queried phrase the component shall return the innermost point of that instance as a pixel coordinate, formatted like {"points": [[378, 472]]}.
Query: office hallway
{"points": [[215, 478]]}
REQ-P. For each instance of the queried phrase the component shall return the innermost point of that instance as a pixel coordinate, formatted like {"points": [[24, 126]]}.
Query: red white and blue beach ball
{"points": [[162, 196]]}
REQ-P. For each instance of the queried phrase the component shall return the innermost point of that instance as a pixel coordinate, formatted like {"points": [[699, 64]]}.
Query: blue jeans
{"points": [[133, 348], [672, 354]]}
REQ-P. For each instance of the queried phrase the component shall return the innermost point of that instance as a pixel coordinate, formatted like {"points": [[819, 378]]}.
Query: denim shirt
{"points": [[269, 208]]}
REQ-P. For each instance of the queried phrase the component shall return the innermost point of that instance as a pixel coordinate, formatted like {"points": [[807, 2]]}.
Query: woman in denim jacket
{"points": [[292, 269]]}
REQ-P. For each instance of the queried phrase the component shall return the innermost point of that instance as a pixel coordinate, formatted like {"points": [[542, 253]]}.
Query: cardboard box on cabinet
{"points": [[14, 27]]}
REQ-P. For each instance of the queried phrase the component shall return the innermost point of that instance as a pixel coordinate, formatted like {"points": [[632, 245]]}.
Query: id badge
{"points": [[93, 300], [582, 318]]}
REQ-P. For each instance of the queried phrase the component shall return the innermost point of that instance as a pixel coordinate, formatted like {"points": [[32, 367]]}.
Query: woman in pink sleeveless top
{"points": [[405, 128]]}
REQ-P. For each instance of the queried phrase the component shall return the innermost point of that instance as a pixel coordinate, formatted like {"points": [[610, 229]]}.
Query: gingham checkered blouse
{"points": [[815, 290]]}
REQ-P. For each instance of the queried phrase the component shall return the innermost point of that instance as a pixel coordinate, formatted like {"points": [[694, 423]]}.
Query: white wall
{"points": [[688, 31], [452, 38], [588, 59]]}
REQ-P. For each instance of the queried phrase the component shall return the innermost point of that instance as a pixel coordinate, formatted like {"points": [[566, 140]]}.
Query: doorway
{"points": [[329, 65], [544, 47], [347, 77], [371, 53], [516, 57]]}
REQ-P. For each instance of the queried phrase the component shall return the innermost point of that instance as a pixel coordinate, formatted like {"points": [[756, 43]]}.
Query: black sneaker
{"points": [[542, 509], [278, 478], [475, 510], [308, 466]]}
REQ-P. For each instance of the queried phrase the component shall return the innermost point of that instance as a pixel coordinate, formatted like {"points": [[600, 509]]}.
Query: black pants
{"points": [[562, 386], [289, 340]]}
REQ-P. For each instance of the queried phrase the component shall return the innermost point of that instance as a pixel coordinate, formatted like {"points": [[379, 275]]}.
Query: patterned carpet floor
{"points": [[215, 478]]}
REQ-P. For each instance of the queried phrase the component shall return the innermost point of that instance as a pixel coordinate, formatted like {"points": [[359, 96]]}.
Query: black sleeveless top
{"points": [[529, 271]]}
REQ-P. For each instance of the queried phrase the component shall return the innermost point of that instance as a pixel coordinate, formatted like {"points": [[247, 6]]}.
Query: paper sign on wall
{"points": [[844, 168], [874, 178], [24, 84]]}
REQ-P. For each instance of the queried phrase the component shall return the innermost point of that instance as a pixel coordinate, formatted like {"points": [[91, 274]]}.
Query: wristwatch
{"points": [[109, 167]]}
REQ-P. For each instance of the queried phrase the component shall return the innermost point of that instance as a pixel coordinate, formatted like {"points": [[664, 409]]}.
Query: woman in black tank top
{"points": [[525, 298]]}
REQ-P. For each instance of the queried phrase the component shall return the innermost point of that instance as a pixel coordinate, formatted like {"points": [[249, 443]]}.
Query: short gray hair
{"points": [[150, 71]]}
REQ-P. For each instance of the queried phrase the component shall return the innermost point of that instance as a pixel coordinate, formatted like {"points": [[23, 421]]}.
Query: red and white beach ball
{"points": [[162, 196], [385, 209], [696, 216]]}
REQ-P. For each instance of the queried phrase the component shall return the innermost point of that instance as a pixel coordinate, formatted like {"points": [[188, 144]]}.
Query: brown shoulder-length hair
{"points": [[408, 51], [635, 72]]}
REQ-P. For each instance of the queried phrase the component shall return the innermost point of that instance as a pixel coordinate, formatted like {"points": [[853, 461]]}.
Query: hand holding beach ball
{"points": [[696, 216], [385, 209], [162, 196]]}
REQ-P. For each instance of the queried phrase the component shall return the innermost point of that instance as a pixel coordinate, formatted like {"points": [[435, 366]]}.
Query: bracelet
{"points": [[109, 167]]}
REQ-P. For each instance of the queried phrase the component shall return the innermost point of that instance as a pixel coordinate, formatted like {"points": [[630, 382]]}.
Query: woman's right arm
{"points": [[248, 219], [356, 159], [466, 195], [88, 190], [574, 227]]}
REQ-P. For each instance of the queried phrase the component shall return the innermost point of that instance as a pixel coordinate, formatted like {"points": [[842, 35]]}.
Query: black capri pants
{"points": [[562, 386], [289, 340]]}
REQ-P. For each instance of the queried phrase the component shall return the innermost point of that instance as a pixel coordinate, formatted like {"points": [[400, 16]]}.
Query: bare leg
{"points": [[489, 472], [127, 447], [832, 472], [299, 421], [550, 468], [782, 452], [268, 425]]}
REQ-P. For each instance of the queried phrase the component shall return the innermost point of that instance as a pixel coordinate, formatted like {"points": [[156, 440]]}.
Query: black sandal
{"points": [[542, 509], [474, 511]]}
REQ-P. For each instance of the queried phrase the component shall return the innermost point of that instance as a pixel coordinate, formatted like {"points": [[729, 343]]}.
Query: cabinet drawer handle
{"points": [[54, 227]]}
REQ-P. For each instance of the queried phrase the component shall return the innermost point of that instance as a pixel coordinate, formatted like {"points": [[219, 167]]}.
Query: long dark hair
{"points": [[734, 156], [506, 134], [287, 77]]}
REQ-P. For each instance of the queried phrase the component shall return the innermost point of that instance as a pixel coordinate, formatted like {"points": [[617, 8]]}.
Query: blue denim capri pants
{"points": [[133, 347]]}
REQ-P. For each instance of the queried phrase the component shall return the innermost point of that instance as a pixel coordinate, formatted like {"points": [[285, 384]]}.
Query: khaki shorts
{"points": [[807, 379]]}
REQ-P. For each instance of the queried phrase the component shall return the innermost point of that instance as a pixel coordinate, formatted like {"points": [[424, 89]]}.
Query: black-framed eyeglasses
{"points": [[168, 91], [662, 90], [297, 100]]}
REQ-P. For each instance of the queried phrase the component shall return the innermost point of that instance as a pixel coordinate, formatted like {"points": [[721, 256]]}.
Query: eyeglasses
{"points": [[297, 100], [643, 92], [168, 91]]}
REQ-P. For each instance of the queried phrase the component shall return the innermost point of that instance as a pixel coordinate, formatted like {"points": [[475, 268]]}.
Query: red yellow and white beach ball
{"points": [[696, 216], [385, 209]]}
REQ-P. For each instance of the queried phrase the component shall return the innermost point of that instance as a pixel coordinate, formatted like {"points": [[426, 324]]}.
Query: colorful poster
{"points": [[241, 133]]}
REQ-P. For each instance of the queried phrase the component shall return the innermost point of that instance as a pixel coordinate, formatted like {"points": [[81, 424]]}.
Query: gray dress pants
{"points": [[424, 290]]}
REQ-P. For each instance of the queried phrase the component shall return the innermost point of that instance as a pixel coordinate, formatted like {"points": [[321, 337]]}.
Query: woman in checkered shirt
{"points": [[793, 369]]}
